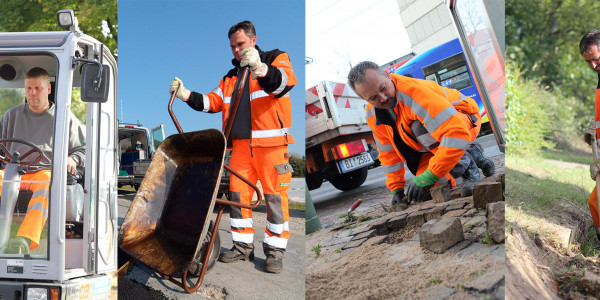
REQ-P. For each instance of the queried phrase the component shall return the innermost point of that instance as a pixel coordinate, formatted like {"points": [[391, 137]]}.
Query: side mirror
{"points": [[94, 84]]}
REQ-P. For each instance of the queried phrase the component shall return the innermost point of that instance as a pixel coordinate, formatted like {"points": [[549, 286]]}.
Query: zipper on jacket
{"points": [[281, 126], [251, 154]]}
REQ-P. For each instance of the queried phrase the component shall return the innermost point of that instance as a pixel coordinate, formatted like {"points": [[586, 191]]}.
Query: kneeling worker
{"points": [[429, 128]]}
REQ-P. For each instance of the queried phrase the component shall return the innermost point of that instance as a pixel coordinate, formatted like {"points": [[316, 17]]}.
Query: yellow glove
{"points": [[182, 93]]}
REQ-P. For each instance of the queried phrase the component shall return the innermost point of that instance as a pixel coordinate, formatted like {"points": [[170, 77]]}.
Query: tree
{"points": [[36, 15], [543, 36], [10, 98], [297, 163]]}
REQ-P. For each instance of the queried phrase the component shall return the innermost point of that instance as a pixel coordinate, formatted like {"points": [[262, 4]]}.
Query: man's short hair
{"points": [[590, 38], [357, 76], [246, 26], [38, 72]]}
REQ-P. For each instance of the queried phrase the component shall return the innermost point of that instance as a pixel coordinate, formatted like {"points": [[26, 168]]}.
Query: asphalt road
{"points": [[240, 280], [376, 177]]}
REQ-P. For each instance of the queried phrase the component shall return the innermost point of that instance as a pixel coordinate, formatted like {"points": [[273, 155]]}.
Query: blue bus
{"points": [[446, 65]]}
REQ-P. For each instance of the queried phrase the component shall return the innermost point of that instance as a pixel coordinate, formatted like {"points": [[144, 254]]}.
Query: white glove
{"points": [[251, 58], [594, 170], [182, 93]]}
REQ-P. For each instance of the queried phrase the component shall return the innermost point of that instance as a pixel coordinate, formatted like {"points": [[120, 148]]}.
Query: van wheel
{"points": [[314, 180], [350, 180]]}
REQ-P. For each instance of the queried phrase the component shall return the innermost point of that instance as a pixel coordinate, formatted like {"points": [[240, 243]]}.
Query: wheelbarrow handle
{"points": [[244, 179], [171, 109], [236, 102]]}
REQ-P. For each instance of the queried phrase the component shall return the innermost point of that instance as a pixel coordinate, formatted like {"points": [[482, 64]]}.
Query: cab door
{"points": [[157, 134]]}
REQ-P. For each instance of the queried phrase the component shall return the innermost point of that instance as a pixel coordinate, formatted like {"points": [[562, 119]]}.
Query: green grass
{"points": [[591, 245], [487, 240], [432, 281], [317, 250], [568, 156]]}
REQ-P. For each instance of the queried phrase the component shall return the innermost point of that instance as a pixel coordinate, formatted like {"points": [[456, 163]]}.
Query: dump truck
{"points": [[137, 145], [77, 252], [339, 143]]}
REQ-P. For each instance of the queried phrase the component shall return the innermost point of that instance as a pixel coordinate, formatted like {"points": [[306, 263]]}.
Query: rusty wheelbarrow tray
{"points": [[168, 222]]}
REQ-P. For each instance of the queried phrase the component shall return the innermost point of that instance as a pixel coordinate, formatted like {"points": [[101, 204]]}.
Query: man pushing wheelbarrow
{"points": [[259, 135]]}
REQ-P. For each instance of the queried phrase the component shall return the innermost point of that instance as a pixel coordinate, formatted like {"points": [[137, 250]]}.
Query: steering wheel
{"points": [[7, 157]]}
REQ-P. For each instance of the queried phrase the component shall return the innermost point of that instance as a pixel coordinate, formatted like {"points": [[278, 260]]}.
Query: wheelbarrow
{"points": [[168, 227]]}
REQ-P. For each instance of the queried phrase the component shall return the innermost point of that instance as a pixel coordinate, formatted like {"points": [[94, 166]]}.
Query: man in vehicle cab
{"points": [[33, 122]]}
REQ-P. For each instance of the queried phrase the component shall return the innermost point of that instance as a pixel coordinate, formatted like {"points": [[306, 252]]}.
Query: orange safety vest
{"points": [[438, 109], [270, 104]]}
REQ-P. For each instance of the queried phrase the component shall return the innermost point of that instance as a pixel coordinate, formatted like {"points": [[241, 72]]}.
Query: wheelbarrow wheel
{"points": [[196, 265]]}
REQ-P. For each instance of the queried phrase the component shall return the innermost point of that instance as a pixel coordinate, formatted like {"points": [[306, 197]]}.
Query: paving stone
{"points": [[590, 283], [495, 221], [416, 218], [398, 222], [499, 294], [440, 193], [474, 222], [376, 240], [456, 205], [486, 192], [359, 229], [364, 235], [470, 212], [486, 282], [455, 213], [455, 193], [337, 241], [500, 178], [441, 234], [434, 213], [380, 226], [353, 244], [438, 292]]}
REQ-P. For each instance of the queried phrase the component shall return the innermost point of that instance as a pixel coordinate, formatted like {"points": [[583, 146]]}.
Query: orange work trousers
{"points": [[593, 204], [37, 210], [271, 166]]}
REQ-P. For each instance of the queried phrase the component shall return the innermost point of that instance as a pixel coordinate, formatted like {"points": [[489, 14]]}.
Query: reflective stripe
{"points": [[241, 223], [462, 97], [444, 89], [385, 147], [270, 133], [227, 100], [457, 102], [218, 91], [370, 112], [431, 123], [283, 82], [275, 241], [40, 207], [393, 168], [242, 237], [38, 193], [278, 228], [206, 103], [453, 142], [427, 140], [258, 94]]}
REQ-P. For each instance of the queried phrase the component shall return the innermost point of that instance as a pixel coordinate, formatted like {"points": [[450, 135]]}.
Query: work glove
{"points": [[182, 93], [251, 59], [418, 188], [594, 169], [397, 196]]}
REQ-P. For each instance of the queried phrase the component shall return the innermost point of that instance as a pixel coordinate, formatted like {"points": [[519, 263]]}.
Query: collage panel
{"points": [[223, 81], [397, 89], [552, 107], [58, 86]]}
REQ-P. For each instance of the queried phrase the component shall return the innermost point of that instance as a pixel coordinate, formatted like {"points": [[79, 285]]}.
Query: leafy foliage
{"points": [[10, 98], [38, 15], [297, 163], [543, 37]]}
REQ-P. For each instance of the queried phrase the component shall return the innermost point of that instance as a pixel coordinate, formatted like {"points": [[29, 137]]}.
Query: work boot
{"points": [[274, 261], [243, 251], [485, 164], [470, 177]]}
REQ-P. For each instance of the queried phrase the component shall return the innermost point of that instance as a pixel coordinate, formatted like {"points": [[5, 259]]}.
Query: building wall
{"points": [[427, 22]]}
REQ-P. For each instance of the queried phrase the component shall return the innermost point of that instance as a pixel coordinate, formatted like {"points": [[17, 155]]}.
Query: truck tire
{"points": [[313, 180], [350, 180]]}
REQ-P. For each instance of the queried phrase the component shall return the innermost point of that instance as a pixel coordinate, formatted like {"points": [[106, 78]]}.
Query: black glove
{"points": [[398, 195], [415, 192]]}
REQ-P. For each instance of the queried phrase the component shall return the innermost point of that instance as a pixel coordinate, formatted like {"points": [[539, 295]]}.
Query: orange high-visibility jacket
{"points": [[437, 108], [270, 105]]}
